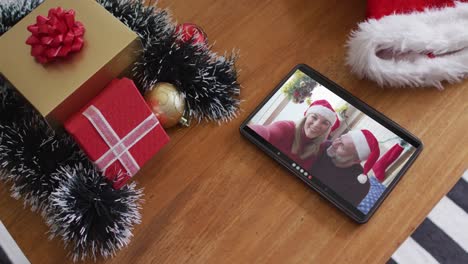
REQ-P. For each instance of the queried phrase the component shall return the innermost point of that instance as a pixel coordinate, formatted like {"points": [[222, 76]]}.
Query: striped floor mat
{"points": [[443, 236]]}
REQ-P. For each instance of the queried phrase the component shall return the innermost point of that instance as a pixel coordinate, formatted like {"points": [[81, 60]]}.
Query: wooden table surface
{"points": [[213, 197]]}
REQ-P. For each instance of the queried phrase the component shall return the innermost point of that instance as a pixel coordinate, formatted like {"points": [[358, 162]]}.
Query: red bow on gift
{"points": [[56, 35]]}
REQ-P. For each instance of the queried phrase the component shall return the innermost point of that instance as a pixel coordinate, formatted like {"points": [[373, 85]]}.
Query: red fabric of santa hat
{"points": [[385, 161], [411, 42], [367, 148]]}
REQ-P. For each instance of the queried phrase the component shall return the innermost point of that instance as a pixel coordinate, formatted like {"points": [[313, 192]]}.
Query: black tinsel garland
{"points": [[31, 152], [207, 81], [13, 11], [51, 174], [88, 213], [13, 107]]}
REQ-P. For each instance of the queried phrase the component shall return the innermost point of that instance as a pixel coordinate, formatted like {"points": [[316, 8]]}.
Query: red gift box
{"points": [[118, 131]]}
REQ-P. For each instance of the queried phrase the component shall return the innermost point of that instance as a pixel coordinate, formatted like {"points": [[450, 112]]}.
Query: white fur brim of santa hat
{"points": [[328, 114], [360, 143], [412, 49]]}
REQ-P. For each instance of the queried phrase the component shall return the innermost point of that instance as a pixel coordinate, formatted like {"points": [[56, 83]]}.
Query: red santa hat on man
{"points": [[324, 108], [411, 42], [367, 148]]}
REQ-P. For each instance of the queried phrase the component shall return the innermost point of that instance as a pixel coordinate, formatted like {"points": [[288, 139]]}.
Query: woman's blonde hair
{"points": [[311, 148]]}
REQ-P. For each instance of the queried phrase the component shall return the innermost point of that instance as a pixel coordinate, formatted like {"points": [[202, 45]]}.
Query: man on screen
{"points": [[339, 167]]}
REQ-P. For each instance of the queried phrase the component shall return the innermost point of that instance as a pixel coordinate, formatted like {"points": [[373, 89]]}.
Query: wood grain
{"points": [[213, 197]]}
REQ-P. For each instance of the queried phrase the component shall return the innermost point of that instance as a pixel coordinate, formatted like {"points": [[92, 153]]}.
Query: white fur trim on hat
{"points": [[360, 142], [442, 32], [323, 111], [362, 178]]}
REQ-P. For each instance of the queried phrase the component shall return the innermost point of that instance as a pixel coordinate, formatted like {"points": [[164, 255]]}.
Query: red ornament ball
{"points": [[189, 32]]}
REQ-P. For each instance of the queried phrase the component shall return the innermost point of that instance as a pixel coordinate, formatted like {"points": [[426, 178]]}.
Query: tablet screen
{"points": [[332, 140]]}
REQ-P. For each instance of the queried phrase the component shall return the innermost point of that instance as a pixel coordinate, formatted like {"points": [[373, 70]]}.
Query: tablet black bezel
{"points": [[284, 160]]}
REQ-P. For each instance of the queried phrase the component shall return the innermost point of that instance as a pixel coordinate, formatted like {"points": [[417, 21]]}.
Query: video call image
{"points": [[332, 141]]}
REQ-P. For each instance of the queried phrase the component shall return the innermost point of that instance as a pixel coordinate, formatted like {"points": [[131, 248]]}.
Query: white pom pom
{"points": [[362, 178]]}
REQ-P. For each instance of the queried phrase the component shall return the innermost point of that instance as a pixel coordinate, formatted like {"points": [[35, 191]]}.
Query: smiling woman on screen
{"points": [[301, 141]]}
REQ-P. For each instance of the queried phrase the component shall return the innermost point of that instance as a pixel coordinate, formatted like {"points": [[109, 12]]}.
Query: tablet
{"points": [[337, 144]]}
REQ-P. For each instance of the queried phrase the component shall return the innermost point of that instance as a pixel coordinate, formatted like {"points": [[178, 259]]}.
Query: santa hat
{"points": [[367, 148], [411, 42], [385, 161], [324, 108]]}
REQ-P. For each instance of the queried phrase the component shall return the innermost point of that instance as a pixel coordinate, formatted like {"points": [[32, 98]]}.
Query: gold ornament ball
{"points": [[166, 103]]}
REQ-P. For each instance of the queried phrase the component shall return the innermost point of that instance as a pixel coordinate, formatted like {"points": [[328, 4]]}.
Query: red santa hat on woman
{"points": [[411, 42], [367, 148], [324, 108]]}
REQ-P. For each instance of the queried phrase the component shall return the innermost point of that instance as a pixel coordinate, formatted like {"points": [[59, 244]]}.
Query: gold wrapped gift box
{"points": [[61, 88]]}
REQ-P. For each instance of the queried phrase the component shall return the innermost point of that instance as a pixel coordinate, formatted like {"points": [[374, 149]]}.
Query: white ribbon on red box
{"points": [[118, 148]]}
